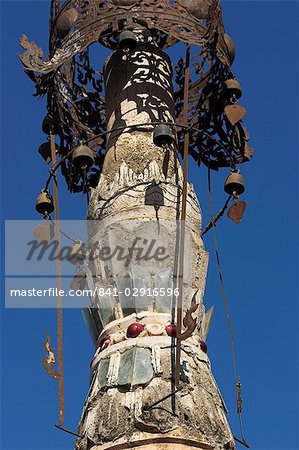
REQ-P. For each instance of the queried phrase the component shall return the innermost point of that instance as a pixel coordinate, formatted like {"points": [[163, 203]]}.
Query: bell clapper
{"points": [[233, 100], [165, 147], [236, 196]]}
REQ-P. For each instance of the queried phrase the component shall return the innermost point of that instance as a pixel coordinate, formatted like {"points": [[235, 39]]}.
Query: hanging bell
{"points": [[127, 40], [45, 151], [234, 184], [49, 123], [163, 135], [86, 112], [230, 47], [44, 203], [77, 253], [83, 157], [65, 22], [232, 88]]}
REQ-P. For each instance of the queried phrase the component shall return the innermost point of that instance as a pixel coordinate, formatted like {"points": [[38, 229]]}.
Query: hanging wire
{"points": [[229, 321]]}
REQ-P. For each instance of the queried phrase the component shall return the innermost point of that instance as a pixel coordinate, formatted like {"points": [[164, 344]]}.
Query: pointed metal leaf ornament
{"points": [[234, 113], [248, 151], [190, 322], [44, 232], [236, 211]]}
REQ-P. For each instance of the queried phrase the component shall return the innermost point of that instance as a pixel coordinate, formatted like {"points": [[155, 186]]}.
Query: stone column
{"points": [[139, 194]]}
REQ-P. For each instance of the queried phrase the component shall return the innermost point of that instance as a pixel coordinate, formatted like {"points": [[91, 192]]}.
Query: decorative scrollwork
{"points": [[98, 20], [74, 88], [215, 139]]}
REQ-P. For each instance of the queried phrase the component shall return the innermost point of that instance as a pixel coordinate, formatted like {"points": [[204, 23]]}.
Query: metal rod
{"points": [[66, 430], [182, 221], [243, 442], [59, 298], [215, 219], [147, 408]]}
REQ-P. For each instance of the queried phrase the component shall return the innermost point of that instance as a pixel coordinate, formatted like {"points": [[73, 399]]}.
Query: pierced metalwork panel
{"points": [[98, 20]]}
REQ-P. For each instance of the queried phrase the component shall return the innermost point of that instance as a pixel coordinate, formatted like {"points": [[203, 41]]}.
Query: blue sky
{"points": [[259, 257]]}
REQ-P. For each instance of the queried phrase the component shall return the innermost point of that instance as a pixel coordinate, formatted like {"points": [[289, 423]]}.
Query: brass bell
{"points": [[163, 135], [44, 203], [230, 47], [83, 157], [86, 112], [45, 151], [77, 253], [127, 40], [234, 184], [232, 88], [65, 22], [49, 123]]}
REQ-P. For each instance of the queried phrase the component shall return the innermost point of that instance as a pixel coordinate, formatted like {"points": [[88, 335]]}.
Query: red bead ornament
{"points": [[134, 330], [203, 346], [106, 343], [101, 341], [171, 330]]}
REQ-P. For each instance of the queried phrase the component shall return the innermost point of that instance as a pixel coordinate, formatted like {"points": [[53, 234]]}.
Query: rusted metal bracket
{"points": [[67, 430], [147, 408], [241, 441], [49, 360]]}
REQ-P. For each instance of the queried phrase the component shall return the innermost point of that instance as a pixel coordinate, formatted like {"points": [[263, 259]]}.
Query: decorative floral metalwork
{"points": [[74, 88]]}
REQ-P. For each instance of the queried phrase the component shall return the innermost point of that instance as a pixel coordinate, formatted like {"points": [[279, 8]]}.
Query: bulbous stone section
{"points": [[135, 413]]}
